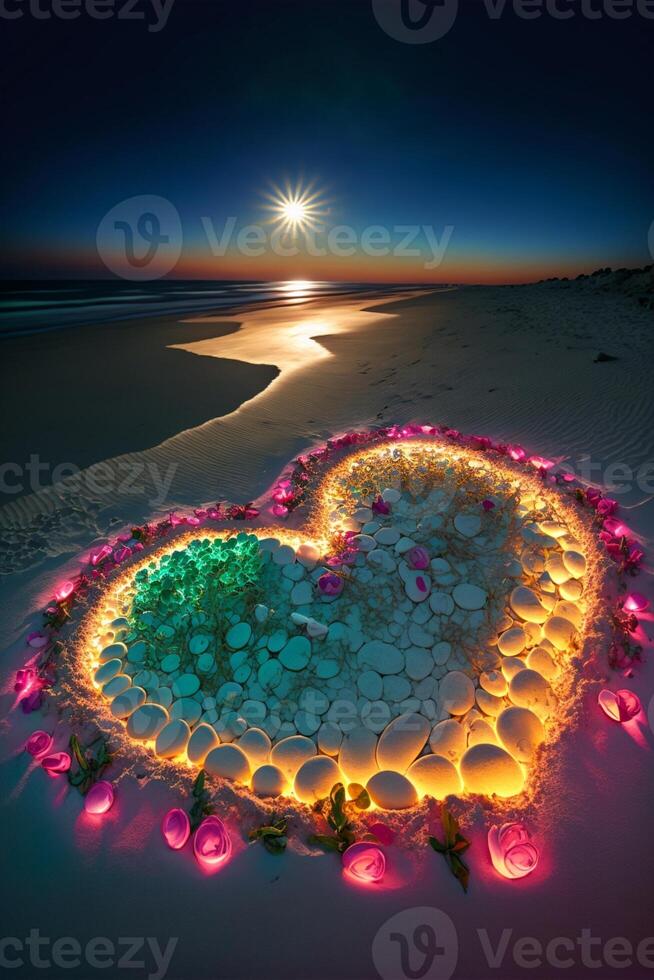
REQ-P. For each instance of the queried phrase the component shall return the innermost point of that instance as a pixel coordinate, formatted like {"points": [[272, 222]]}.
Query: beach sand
{"points": [[518, 364]]}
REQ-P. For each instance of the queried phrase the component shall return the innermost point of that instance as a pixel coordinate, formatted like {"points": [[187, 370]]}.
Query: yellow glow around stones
{"points": [[520, 699]]}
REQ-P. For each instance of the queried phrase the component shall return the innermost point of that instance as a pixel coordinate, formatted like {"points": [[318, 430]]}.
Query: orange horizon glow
{"points": [[77, 263]]}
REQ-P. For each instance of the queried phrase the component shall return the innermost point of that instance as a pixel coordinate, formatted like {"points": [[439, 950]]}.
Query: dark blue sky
{"points": [[532, 138]]}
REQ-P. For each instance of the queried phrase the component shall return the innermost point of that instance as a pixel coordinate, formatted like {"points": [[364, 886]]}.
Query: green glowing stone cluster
{"points": [[195, 587]]}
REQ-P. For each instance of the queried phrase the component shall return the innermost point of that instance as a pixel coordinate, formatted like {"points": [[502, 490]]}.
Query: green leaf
{"points": [[329, 843], [450, 826], [77, 752], [362, 801], [436, 844], [460, 871]]}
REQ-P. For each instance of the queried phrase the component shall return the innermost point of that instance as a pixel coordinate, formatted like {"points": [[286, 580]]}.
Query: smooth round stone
{"points": [[291, 753], [559, 631], [369, 683], [147, 721], [419, 636], [108, 670], [315, 778], [419, 663], [449, 740], [186, 708], [511, 666], [469, 597], [391, 791], [296, 654], [489, 770], [358, 756], [163, 696], [117, 685], [238, 636], [494, 682], [571, 590], [148, 679], [387, 536], [201, 742], [186, 686], [137, 652], [575, 563], [172, 739], [114, 651], [376, 715], [326, 669], [433, 775], [269, 781], [125, 704], [469, 525], [481, 732], [441, 653], [528, 689], [330, 738], [526, 604], [277, 641], [206, 663], [417, 586], [402, 741], [228, 762], [170, 663], [306, 722], [228, 692], [256, 744], [308, 555], [488, 703], [456, 693], [390, 495], [382, 657], [396, 688], [364, 542], [512, 642], [302, 593], [569, 611], [270, 674], [284, 555], [199, 643], [542, 661], [557, 570], [441, 603], [521, 732]]}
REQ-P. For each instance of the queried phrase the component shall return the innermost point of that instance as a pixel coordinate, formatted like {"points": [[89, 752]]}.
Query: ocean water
{"points": [[34, 307]]}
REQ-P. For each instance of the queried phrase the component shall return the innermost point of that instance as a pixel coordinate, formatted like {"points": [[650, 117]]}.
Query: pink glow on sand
{"points": [[621, 706], [365, 863], [212, 844], [512, 851], [56, 764], [636, 602], [176, 828], [99, 798], [64, 591], [39, 744]]}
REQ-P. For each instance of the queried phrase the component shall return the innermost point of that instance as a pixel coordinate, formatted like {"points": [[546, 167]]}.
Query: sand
{"points": [[514, 363]]}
